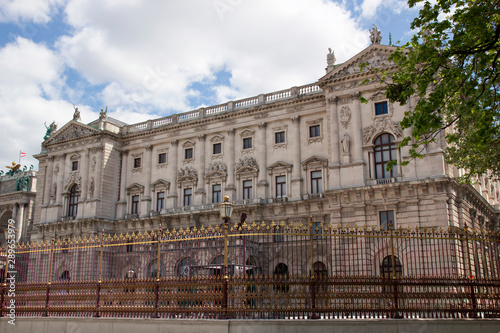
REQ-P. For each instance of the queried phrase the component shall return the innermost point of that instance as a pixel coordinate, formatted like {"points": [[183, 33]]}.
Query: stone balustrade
{"points": [[293, 92]]}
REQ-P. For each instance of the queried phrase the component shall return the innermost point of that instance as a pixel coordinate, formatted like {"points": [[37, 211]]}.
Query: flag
{"points": [[22, 154]]}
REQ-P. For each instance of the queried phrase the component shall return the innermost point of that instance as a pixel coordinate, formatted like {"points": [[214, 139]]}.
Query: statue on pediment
{"points": [[76, 115], [330, 57], [50, 129], [375, 35], [103, 114]]}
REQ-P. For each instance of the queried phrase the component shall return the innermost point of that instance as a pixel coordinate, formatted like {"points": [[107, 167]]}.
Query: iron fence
{"points": [[263, 270]]}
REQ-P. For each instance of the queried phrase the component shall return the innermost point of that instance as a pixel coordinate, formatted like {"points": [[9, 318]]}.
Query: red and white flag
{"points": [[22, 154]]}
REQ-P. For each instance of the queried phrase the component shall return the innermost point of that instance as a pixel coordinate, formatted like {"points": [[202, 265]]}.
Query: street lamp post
{"points": [[226, 209]]}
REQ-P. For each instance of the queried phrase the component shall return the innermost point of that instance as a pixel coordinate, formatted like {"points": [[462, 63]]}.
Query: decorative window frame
{"points": [[131, 190], [280, 145], [217, 138], [379, 98], [134, 156], [160, 185], [280, 168], [246, 169], [247, 133], [316, 163], [314, 123], [66, 196], [162, 165], [186, 145]]}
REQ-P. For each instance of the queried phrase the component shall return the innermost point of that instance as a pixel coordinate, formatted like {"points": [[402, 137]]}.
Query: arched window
{"points": [[385, 151], [152, 269], [186, 268], [320, 270], [73, 201], [281, 277], [65, 276], [386, 267]]}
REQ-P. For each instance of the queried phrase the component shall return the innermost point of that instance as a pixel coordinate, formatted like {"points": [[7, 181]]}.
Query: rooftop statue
{"points": [[375, 36], [50, 129], [76, 115], [330, 57]]}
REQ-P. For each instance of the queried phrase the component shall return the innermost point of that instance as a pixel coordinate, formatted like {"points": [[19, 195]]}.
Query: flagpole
{"points": [[19, 157]]}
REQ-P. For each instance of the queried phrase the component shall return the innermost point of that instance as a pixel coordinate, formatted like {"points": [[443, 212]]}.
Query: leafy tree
{"points": [[452, 65]]}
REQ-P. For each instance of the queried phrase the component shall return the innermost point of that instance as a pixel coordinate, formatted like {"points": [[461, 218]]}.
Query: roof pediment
{"points": [[374, 56], [72, 130]]}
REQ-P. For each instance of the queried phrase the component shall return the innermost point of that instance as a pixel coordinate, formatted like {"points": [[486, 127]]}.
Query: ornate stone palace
{"points": [[308, 151]]}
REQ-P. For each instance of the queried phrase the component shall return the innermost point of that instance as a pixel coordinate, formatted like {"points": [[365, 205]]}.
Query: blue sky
{"points": [[145, 59]]}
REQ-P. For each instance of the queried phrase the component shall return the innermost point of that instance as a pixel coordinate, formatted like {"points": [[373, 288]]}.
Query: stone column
{"points": [[199, 195], [172, 174], [84, 170], [356, 133], [48, 181], [60, 187], [85, 174], [262, 185], [296, 181], [20, 222], [122, 204], [146, 199], [230, 188], [334, 139]]}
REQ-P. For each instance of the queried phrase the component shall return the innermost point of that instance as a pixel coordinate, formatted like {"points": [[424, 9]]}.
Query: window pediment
{"points": [[160, 184], [217, 138], [279, 166], [75, 157], [135, 188], [247, 132], [314, 161], [188, 144]]}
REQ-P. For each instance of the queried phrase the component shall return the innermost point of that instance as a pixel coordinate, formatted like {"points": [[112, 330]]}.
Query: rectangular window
{"points": [[314, 131], [277, 238], [188, 195], [137, 162], [386, 218], [280, 186], [216, 192], [135, 205], [162, 158], [316, 230], [217, 148], [188, 153], [316, 182], [160, 201], [247, 189], [279, 137], [247, 143], [380, 108], [74, 166]]}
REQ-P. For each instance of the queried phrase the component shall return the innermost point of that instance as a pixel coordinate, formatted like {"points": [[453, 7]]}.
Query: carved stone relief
{"points": [[345, 116], [380, 125]]}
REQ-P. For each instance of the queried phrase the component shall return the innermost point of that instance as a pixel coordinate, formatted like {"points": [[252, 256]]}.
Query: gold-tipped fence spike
{"points": [[282, 223], [273, 224]]}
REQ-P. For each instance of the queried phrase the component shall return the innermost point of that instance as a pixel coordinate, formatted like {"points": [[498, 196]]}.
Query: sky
{"points": [[145, 59]]}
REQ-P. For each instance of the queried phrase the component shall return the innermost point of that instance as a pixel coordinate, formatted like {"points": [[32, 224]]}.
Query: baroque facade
{"points": [[310, 151]]}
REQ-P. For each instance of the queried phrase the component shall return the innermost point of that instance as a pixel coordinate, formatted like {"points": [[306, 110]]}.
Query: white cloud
{"points": [[38, 11], [148, 53], [30, 85]]}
